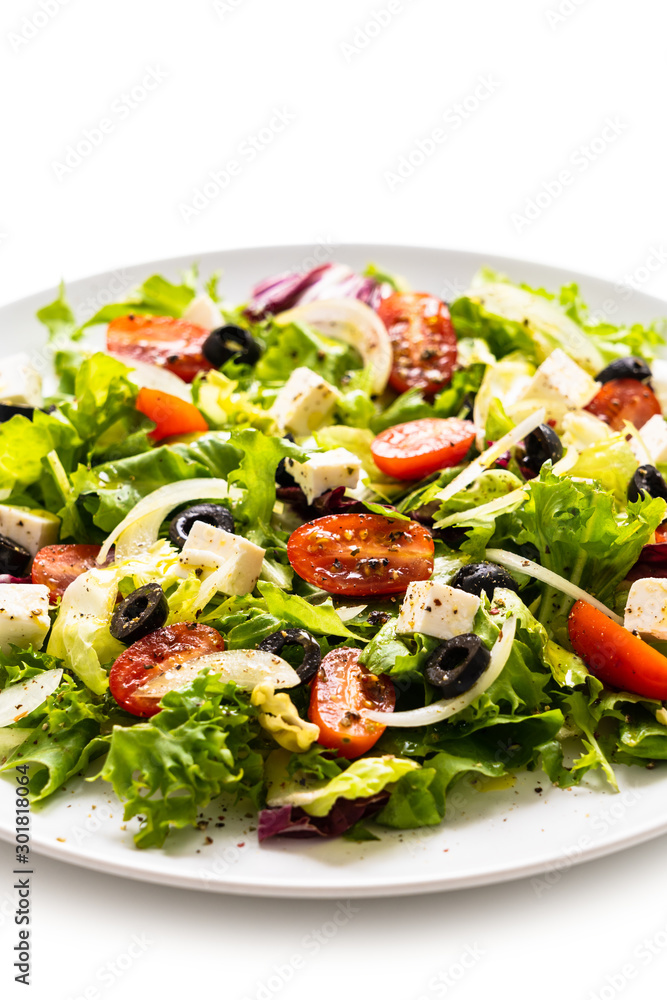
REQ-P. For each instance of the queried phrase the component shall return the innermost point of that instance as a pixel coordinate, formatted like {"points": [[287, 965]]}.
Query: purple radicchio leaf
{"points": [[331, 502], [8, 578], [326, 281], [292, 821]]}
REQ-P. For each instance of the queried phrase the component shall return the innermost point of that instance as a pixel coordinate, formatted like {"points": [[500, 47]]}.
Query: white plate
{"points": [[491, 836]]}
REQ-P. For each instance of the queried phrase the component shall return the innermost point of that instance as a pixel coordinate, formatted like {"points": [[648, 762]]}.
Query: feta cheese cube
{"points": [[30, 527], [203, 311], [659, 381], [560, 383], [646, 610], [654, 436], [325, 471], [20, 382], [24, 615], [236, 561], [437, 609], [304, 403]]}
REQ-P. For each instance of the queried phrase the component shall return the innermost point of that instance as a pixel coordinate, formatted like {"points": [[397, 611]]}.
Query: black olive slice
{"points": [[543, 445], [483, 578], [635, 368], [456, 665], [14, 559], [7, 411], [230, 341], [647, 481], [312, 654], [143, 612], [211, 513]]}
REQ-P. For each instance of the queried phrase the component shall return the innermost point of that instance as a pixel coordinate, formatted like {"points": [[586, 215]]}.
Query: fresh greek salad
{"points": [[331, 550]]}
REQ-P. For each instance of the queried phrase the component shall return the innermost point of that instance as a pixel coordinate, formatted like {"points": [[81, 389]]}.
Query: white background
{"points": [[538, 90]]}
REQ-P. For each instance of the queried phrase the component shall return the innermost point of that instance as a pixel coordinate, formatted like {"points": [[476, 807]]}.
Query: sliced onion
{"points": [[444, 709], [497, 506], [244, 667], [139, 529], [19, 700], [204, 312], [348, 611], [488, 457], [511, 561], [355, 324], [153, 377]]}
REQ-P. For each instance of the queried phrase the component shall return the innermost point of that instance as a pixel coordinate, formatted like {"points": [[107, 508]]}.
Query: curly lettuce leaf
{"points": [[201, 744]]}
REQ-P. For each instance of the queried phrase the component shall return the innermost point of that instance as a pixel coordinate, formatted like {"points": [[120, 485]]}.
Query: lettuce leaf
{"points": [[201, 743]]}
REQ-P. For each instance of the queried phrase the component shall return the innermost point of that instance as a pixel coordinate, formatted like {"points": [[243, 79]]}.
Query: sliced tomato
{"points": [[420, 447], [160, 340], [423, 341], [361, 554], [615, 655], [170, 414], [341, 690], [164, 650], [56, 566], [624, 399]]}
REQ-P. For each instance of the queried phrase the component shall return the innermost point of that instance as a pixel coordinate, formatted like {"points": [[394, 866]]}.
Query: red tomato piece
{"points": [[615, 655], [56, 566], [361, 554], [420, 447], [144, 661], [160, 340], [624, 399], [170, 414], [341, 690], [423, 341]]}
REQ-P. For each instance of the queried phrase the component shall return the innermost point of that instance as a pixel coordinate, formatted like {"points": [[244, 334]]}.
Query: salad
{"points": [[332, 550]]}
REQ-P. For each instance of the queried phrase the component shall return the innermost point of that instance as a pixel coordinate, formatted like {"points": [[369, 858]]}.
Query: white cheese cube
{"points": [[561, 383], [437, 609], [646, 610], [20, 382], [31, 528], [654, 436], [236, 561], [24, 615], [325, 471], [203, 311], [659, 381], [304, 403]]}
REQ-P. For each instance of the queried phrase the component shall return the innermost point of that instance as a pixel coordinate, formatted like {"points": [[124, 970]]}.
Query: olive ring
{"points": [[647, 481], [633, 368], [211, 513], [483, 578], [144, 611], [230, 341], [457, 664], [543, 445], [312, 654]]}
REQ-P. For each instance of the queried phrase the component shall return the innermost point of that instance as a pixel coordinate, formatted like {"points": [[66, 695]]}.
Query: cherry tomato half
{"points": [[170, 414], [361, 554], [144, 661], [160, 340], [423, 340], [624, 399], [615, 655], [420, 447], [56, 566], [341, 690]]}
